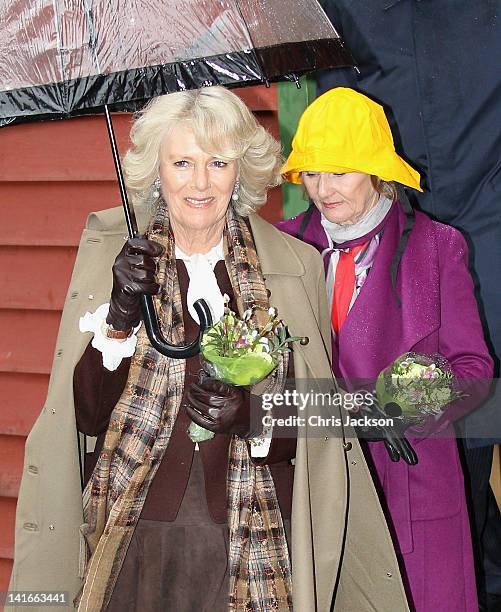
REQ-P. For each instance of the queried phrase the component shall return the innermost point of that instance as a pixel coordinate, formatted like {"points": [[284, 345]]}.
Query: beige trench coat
{"points": [[341, 545]]}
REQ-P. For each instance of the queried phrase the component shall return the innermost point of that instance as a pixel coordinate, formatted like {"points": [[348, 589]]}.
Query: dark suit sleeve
{"points": [[96, 391], [339, 77]]}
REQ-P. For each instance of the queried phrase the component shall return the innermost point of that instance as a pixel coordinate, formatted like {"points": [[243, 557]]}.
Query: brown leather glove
{"points": [[133, 274], [220, 408]]}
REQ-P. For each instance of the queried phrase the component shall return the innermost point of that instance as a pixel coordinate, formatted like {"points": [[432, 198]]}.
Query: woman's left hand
{"points": [[219, 407]]}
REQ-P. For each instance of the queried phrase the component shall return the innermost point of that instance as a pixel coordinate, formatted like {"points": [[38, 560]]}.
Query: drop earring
{"points": [[156, 188], [235, 196]]}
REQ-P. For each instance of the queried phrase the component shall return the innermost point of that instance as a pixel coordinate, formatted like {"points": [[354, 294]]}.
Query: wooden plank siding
{"points": [[52, 174]]}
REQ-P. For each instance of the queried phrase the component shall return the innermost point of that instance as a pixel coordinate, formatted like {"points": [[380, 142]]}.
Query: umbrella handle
{"points": [[156, 338], [147, 307]]}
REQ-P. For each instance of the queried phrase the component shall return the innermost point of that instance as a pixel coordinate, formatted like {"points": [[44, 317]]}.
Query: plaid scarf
{"points": [[138, 435]]}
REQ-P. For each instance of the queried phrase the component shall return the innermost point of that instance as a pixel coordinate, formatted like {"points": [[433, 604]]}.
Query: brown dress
{"points": [[177, 558]]}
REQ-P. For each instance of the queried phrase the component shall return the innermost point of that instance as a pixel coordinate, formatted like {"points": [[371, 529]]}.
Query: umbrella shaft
{"points": [[130, 217]]}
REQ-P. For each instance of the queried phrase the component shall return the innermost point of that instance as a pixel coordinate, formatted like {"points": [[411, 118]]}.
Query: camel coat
{"points": [[341, 545]]}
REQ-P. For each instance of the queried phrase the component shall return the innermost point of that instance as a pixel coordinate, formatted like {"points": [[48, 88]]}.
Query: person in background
{"points": [[397, 282], [434, 68]]}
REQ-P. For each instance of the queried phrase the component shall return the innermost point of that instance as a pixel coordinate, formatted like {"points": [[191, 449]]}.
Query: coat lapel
{"points": [[283, 272], [379, 328]]}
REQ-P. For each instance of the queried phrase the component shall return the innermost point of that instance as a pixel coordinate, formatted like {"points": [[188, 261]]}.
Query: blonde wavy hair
{"points": [[223, 127]]}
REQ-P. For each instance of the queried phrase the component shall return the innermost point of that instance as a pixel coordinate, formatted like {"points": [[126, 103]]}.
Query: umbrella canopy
{"points": [[60, 58]]}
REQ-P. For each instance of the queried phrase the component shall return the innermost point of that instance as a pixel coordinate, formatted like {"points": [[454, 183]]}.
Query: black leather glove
{"points": [[220, 408], [133, 274], [397, 446]]}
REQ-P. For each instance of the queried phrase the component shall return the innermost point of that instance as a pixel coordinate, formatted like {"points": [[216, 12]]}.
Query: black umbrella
{"points": [[63, 58]]}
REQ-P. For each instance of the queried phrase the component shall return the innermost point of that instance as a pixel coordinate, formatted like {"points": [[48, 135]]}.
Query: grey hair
{"points": [[223, 127], [385, 188]]}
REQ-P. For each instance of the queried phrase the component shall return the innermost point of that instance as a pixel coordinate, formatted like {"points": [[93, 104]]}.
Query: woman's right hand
{"points": [[133, 274]]}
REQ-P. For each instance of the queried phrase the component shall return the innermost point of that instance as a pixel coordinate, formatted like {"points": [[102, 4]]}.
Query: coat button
{"points": [[347, 446], [52, 527], [30, 526], [304, 341], [389, 574]]}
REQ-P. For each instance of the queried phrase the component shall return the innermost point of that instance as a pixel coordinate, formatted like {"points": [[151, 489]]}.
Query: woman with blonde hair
{"points": [[167, 525]]}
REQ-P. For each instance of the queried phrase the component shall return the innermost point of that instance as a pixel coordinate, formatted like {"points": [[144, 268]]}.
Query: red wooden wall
{"points": [[52, 174]]}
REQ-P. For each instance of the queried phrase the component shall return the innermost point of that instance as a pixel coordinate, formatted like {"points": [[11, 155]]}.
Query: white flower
{"points": [[247, 314], [267, 357], [440, 397], [401, 381]]}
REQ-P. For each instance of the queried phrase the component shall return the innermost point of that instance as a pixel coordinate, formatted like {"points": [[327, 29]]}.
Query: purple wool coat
{"points": [[425, 503]]}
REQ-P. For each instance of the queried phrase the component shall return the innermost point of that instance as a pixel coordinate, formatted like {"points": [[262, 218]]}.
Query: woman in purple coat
{"points": [[398, 282]]}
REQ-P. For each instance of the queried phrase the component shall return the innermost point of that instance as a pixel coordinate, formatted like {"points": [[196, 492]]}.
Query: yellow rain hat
{"points": [[345, 131]]}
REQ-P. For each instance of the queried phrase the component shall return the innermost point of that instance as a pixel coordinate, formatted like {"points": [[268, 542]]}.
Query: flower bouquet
{"points": [[240, 352], [416, 386]]}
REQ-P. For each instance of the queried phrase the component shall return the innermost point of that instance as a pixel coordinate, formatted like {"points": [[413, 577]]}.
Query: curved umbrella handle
{"points": [[147, 307], [155, 334]]}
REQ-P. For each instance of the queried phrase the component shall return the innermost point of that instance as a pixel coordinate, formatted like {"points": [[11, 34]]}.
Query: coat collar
{"points": [[379, 328], [278, 258], [275, 253]]}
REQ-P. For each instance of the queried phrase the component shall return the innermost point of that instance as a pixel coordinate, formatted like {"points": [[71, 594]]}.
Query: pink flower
{"points": [[430, 372], [416, 395]]}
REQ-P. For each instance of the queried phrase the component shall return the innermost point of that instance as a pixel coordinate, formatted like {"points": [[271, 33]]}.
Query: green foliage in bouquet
{"points": [[421, 385], [240, 352]]}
